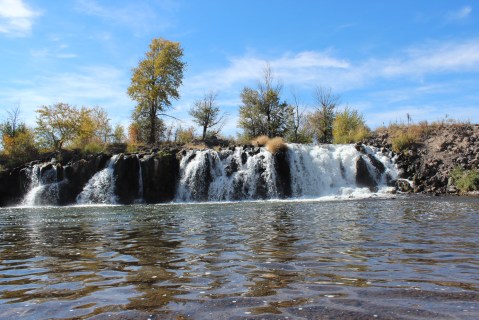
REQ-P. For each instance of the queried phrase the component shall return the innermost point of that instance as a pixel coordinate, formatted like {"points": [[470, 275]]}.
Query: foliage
{"points": [[184, 136], [465, 180], [300, 130], [102, 127], [206, 114], [93, 147], [20, 148], [155, 82], [17, 140], [118, 134], [262, 112], [57, 125], [275, 145], [322, 119], [132, 147], [62, 125], [349, 127], [141, 127]]}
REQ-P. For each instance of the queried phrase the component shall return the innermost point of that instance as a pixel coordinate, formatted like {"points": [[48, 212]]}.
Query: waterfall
{"points": [[237, 173], [43, 185], [330, 170], [139, 198], [208, 175], [248, 174], [100, 189]]}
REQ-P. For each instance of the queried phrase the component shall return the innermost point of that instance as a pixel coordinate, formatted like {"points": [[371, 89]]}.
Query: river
{"points": [[408, 257]]}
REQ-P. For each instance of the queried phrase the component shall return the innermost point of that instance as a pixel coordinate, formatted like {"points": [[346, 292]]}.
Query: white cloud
{"points": [[460, 14], [303, 67], [445, 57], [16, 18], [312, 68]]}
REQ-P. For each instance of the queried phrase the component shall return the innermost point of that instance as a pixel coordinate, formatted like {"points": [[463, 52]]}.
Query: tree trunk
{"points": [[204, 133], [152, 137]]}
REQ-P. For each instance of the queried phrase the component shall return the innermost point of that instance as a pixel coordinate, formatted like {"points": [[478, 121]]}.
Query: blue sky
{"points": [[384, 58]]}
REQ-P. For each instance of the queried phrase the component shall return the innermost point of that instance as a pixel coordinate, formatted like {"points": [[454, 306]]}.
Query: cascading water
{"points": [[139, 198], [208, 175], [315, 171], [240, 173], [100, 189], [330, 170], [44, 185]]}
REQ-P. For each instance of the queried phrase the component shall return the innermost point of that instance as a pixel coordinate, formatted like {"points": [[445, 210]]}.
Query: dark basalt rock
{"points": [[160, 177], [283, 174], [126, 173], [364, 178]]}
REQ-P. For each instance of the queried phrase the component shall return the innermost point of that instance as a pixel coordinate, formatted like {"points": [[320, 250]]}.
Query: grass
{"points": [[275, 145], [403, 136], [197, 146], [465, 180], [260, 141]]}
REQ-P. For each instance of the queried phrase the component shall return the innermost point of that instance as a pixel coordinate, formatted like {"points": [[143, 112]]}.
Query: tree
{"points": [[58, 125], [299, 129], [17, 140], [143, 128], [12, 124], [118, 134], [102, 127], [155, 82], [349, 127], [206, 114], [262, 113], [321, 120]]}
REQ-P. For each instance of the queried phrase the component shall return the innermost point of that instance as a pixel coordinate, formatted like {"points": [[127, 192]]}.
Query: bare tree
{"points": [[323, 118], [299, 117], [12, 124], [206, 114]]}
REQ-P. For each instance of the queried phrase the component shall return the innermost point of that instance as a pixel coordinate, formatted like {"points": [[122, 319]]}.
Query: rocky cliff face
{"points": [[429, 162], [60, 182]]}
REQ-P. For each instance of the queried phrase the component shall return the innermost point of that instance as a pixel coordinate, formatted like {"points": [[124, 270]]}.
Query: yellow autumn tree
{"points": [[155, 82]]}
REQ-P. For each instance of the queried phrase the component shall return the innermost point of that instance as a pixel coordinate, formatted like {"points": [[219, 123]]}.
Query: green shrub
{"points": [[349, 127], [92, 148], [465, 180]]}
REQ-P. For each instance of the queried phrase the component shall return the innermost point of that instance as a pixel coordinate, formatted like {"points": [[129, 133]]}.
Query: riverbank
{"points": [[429, 160]]}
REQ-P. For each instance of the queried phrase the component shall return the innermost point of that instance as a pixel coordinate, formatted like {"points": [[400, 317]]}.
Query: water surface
{"points": [[405, 258]]}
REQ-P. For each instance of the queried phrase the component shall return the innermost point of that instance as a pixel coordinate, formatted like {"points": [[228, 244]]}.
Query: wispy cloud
{"points": [[302, 67], [56, 53], [443, 57], [312, 68], [461, 14], [16, 18], [138, 15]]}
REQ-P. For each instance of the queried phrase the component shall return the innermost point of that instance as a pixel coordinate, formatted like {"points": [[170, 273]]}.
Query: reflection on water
{"points": [[403, 258]]}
